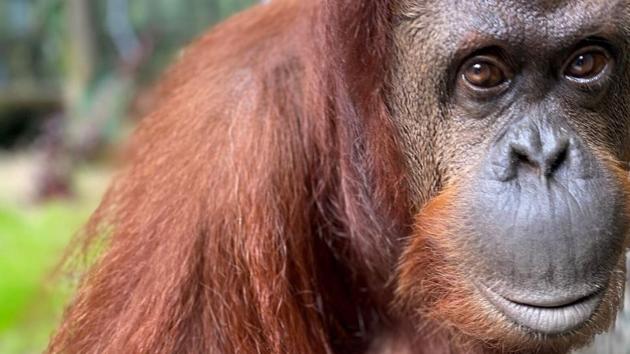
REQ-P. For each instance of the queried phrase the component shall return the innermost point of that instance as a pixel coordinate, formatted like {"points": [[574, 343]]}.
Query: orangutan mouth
{"points": [[552, 316]]}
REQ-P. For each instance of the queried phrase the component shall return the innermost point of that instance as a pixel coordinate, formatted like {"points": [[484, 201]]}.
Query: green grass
{"points": [[32, 240]]}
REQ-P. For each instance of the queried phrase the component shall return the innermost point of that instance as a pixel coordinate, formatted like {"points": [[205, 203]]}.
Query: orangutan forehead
{"points": [[521, 21], [524, 7]]}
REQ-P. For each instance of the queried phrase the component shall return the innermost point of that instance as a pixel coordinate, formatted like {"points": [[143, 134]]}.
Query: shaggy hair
{"points": [[265, 183], [264, 204]]}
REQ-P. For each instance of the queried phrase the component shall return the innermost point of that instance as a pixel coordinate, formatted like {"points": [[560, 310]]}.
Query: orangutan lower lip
{"points": [[553, 318]]}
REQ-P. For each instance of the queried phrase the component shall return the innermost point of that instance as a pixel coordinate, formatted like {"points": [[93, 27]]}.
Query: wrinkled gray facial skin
{"points": [[543, 212]]}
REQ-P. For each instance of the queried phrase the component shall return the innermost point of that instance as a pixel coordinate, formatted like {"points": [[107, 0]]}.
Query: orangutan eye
{"points": [[587, 64], [485, 75]]}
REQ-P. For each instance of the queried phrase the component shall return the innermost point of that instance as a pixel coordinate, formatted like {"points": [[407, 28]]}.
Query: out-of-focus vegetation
{"points": [[73, 75], [31, 240], [86, 59]]}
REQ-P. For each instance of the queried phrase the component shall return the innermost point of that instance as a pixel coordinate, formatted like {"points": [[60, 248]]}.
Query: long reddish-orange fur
{"points": [[261, 202], [264, 202]]}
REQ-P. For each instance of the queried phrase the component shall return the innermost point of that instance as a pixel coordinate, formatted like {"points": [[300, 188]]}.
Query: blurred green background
{"points": [[75, 76]]}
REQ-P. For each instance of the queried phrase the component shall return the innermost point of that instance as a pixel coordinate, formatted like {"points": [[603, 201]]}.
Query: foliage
{"points": [[34, 32], [31, 242]]}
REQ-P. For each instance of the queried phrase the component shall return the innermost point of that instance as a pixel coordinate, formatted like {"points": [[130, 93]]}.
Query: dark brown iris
{"points": [[484, 74], [587, 65]]}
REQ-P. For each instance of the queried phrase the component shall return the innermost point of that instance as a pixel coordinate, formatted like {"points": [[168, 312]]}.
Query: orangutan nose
{"points": [[528, 149]]}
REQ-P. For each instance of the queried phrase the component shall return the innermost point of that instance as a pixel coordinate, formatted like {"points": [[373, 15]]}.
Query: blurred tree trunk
{"points": [[80, 57], [55, 178]]}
